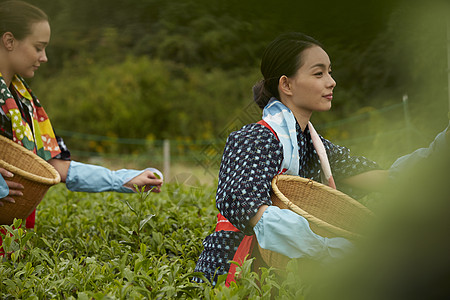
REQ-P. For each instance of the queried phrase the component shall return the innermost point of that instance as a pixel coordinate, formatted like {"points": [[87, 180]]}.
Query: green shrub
{"points": [[122, 246], [144, 98]]}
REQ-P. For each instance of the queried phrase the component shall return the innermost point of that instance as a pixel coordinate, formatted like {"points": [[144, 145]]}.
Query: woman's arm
{"points": [[371, 181], [61, 166], [258, 215], [376, 180], [145, 178], [354, 175], [252, 157]]}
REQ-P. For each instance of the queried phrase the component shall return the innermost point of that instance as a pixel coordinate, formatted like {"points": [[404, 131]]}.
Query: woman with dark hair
{"points": [[297, 81], [25, 34]]}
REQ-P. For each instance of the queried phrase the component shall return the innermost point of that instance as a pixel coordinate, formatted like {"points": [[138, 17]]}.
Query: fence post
{"points": [[407, 120], [166, 159], [448, 64]]}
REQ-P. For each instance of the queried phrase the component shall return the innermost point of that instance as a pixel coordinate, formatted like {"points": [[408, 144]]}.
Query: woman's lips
{"points": [[329, 96]]}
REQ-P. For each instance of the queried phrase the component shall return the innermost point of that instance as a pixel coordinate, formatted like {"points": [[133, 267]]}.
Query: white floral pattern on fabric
{"points": [[24, 120], [252, 157]]}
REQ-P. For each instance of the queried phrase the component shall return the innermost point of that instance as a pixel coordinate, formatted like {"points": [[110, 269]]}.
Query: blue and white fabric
{"points": [[251, 158], [283, 122], [285, 232], [4, 189]]}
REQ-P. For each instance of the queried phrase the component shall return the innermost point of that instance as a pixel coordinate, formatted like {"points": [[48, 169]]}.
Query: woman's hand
{"points": [[147, 178], [15, 189]]}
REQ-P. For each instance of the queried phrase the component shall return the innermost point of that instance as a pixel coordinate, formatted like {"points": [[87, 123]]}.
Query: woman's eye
{"points": [[318, 74]]}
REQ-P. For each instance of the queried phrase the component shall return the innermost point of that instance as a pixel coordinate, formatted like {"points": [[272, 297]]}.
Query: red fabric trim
{"points": [[246, 246], [264, 123], [2, 251], [244, 249], [224, 224], [31, 220], [331, 182]]}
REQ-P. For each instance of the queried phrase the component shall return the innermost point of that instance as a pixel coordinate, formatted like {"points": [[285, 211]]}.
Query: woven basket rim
{"points": [[25, 174], [313, 219]]}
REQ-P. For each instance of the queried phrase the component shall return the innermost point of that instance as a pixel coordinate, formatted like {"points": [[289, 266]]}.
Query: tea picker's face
{"points": [[312, 85], [29, 53]]}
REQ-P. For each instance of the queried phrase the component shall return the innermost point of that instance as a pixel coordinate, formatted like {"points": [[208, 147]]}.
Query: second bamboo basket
{"points": [[329, 212], [34, 173]]}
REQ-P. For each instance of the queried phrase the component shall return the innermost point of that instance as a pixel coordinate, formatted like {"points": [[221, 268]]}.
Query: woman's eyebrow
{"points": [[320, 65]]}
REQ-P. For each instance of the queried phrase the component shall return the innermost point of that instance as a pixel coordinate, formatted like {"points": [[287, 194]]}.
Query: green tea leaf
{"points": [[143, 222]]}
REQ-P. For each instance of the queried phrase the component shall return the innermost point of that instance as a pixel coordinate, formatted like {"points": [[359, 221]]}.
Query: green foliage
{"points": [[123, 246], [144, 98], [183, 70]]}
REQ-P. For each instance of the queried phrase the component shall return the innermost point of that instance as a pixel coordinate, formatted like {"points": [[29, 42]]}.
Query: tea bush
{"points": [[123, 246]]}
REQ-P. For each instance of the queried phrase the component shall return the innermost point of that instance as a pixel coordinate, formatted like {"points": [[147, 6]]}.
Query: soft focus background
{"points": [[157, 83], [125, 78]]}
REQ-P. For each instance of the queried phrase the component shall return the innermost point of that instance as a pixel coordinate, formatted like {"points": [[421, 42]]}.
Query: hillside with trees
{"points": [[181, 69]]}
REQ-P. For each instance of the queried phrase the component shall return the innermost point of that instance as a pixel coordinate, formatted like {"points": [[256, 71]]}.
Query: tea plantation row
{"points": [[123, 246]]}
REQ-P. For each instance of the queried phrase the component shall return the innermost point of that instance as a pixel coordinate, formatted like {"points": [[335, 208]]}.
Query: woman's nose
{"points": [[43, 57], [332, 82]]}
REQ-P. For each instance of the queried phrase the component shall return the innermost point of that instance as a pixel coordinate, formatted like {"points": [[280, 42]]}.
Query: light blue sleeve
{"points": [[4, 189], [285, 232], [91, 178], [405, 162]]}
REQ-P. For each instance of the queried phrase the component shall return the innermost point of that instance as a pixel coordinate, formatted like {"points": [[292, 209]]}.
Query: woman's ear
{"points": [[284, 85], [8, 41]]}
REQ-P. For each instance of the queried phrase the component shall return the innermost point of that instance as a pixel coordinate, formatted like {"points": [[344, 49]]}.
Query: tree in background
{"points": [[201, 58]]}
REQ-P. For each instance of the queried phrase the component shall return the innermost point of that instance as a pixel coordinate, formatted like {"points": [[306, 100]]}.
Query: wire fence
{"points": [[363, 133]]}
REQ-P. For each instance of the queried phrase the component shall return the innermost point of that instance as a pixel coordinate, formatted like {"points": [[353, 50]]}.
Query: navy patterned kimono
{"points": [[252, 157]]}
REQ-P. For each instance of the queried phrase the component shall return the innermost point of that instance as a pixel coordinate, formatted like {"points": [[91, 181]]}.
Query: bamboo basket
{"points": [[34, 173], [330, 213]]}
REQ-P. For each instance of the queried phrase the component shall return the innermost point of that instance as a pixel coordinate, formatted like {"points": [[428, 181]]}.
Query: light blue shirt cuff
{"points": [[91, 178], [405, 162], [4, 189], [285, 232]]}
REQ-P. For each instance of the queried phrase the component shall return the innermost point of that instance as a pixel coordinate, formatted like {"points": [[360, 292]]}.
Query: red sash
{"points": [[244, 249], [246, 246]]}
